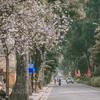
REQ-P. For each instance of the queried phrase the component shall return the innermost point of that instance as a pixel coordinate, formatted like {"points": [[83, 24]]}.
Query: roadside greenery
{"points": [[82, 46], [50, 33], [95, 81], [33, 29], [92, 81]]}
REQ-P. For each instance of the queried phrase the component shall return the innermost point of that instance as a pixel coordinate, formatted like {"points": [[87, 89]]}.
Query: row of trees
{"points": [[82, 49], [43, 31], [33, 30], [26, 27]]}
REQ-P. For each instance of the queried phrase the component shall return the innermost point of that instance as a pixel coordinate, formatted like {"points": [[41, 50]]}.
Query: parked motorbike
{"points": [[3, 95]]}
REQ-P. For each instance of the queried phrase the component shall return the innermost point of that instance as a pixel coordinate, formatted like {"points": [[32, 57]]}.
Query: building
{"points": [[12, 67]]}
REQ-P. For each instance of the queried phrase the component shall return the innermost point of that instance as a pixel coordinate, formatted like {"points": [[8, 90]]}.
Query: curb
{"points": [[89, 86], [95, 88], [44, 92], [38, 96]]}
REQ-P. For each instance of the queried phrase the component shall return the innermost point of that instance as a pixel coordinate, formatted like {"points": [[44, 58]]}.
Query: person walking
{"points": [[54, 81]]}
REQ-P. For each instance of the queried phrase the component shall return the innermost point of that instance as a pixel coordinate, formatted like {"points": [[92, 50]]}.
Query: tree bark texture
{"points": [[30, 85], [21, 88], [88, 61], [7, 75]]}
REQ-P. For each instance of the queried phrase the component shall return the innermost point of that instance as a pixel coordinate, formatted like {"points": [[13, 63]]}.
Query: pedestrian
{"points": [[54, 81]]}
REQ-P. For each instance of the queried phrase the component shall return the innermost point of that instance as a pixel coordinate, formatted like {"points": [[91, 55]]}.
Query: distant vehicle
{"points": [[59, 81], [69, 80]]}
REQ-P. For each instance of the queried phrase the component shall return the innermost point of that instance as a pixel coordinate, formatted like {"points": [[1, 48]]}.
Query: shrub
{"points": [[95, 81], [83, 79]]}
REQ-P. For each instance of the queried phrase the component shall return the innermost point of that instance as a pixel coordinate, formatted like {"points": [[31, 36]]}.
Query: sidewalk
{"points": [[37, 96]]}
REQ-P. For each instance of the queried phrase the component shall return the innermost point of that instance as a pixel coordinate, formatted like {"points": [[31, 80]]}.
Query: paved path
{"points": [[72, 92], [37, 96]]}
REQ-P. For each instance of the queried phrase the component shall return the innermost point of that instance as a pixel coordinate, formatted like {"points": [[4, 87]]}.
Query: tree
{"points": [[34, 29], [25, 27], [80, 38], [96, 48], [52, 62], [92, 10], [5, 12]]}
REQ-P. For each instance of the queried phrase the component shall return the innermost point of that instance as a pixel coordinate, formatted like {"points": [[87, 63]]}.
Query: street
{"points": [[70, 91]]}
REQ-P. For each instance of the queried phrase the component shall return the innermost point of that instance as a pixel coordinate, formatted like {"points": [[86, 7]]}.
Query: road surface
{"points": [[70, 91]]}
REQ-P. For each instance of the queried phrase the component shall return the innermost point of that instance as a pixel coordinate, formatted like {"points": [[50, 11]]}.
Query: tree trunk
{"points": [[21, 88], [30, 84], [7, 75], [32, 81], [88, 61], [36, 83]]}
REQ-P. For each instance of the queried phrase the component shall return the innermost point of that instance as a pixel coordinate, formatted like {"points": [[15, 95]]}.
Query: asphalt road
{"points": [[70, 91]]}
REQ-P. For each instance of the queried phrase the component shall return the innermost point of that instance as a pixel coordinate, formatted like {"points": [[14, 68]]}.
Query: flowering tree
{"points": [[26, 25], [23, 25], [5, 11]]}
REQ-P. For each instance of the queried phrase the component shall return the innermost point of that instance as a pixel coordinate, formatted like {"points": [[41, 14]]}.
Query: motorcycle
{"points": [[3, 95], [59, 82]]}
